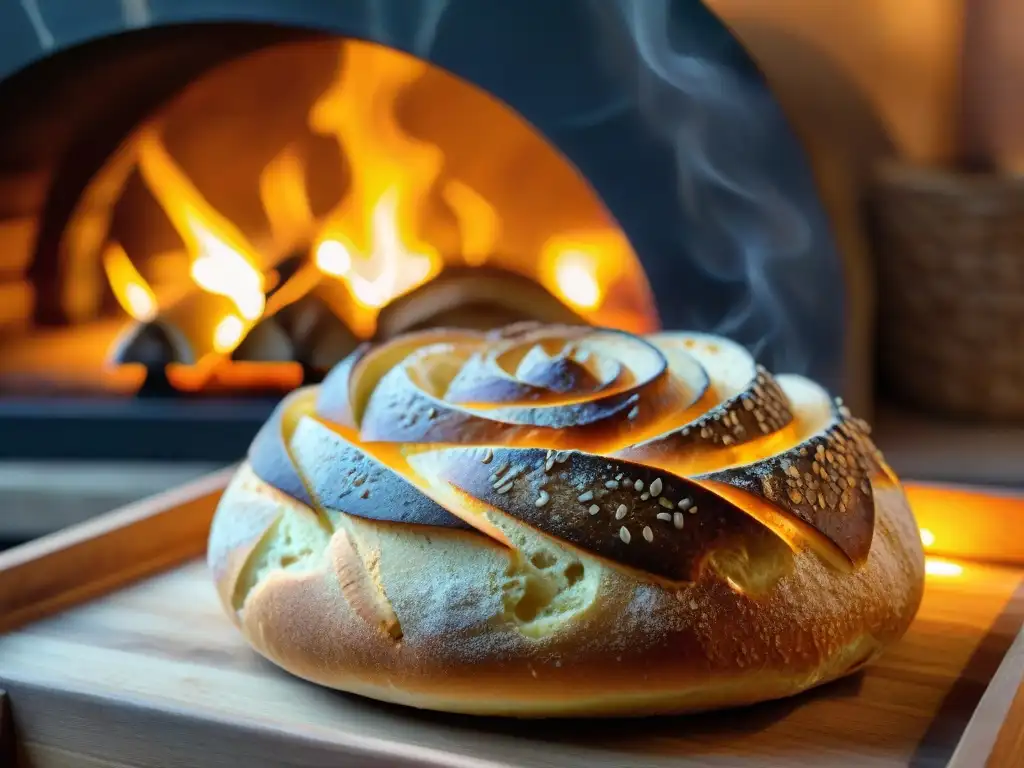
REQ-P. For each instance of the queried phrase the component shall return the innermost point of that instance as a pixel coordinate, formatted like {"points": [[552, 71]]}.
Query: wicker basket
{"points": [[951, 290]]}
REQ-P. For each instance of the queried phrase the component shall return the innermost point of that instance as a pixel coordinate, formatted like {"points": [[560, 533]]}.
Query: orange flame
{"points": [[284, 199], [370, 239], [374, 243], [130, 288], [479, 223], [389, 272], [223, 262]]}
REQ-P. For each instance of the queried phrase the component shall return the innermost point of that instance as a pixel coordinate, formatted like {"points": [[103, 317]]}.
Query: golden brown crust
{"points": [[638, 648], [519, 522], [233, 537], [825, 481]]}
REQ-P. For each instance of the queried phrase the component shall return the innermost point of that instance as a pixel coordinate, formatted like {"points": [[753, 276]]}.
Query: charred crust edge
{"points": [[638, 516], [825, 481]]}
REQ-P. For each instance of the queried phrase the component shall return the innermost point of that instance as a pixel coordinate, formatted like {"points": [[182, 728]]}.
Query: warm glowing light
{"points": [[576, 275], [228, 333], [935, 567], [332, 258], [580, 267], [223, 262], [130, 289], [927, 537], [970, 523], [390, 272], [221, 270], [479, 223], [404, 211], [376, 225]]}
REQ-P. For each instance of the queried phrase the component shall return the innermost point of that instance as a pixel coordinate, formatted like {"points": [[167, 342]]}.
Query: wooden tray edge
{"points": [[94, 557], [994, 736]]}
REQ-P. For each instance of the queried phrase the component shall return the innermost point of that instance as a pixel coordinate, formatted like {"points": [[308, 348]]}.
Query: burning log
{"points": [[194, 327], [267, 342], [297, 326], [306, 331], [479, 298], [304, 321], [146, 344]]}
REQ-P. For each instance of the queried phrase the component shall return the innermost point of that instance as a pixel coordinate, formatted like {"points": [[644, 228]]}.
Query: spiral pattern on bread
{"points": [[671, 463]]}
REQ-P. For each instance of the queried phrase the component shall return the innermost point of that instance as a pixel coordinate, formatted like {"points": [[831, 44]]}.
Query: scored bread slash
{"points": [[268, 453], [344, 479], [344, 392], [750, 402], [471, 392], [359, 587], [334, 398], [611, 522], [552, 364], [821, 480], [824, 478]]}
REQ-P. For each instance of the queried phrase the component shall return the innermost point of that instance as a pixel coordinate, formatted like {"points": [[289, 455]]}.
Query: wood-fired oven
{"points": [[205, 204]]}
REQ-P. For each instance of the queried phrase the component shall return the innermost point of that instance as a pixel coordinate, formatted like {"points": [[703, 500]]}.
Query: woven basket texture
{"points": [[951, 290]]}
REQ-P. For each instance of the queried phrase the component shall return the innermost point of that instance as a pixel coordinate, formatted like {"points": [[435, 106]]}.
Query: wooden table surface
{"points": [[154, 675]]}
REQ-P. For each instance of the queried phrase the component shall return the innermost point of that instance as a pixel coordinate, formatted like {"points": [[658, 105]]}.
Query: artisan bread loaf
{"points": [[562, 520]]}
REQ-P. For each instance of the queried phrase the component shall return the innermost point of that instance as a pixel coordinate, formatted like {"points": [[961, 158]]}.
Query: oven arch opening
{"points": [[251, 137]]}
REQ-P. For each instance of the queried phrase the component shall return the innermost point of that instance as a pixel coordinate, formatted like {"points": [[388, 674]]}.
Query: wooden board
{"points": [[152, 674], [98, 555], [997, 727]]}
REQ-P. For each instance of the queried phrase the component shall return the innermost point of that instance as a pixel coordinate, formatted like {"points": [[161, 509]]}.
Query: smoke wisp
{"points": [[735, 226]]}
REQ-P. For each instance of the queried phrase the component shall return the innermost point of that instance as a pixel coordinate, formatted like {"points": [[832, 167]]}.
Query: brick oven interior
{"points": [[88, 229]]}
